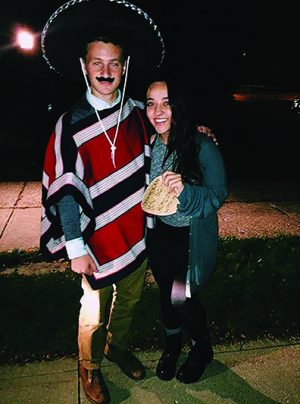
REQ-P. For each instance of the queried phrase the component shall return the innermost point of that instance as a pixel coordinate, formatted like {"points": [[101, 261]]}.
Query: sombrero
{"points": [[76, 22], [158, 200]]}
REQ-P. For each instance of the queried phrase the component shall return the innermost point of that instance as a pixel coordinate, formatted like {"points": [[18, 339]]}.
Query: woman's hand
{"points": [[207, 131], [83, 265], [173, 181]]}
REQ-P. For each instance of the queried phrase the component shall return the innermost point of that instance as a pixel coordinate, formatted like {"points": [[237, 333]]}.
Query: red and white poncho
{"points": [[78, 162]]}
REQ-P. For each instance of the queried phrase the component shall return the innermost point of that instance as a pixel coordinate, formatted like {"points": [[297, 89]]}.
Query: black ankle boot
{"points": [[198, 359], [166, 367]]}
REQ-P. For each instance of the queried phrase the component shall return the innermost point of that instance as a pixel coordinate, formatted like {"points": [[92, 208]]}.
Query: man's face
{"points": [[104, 68]]}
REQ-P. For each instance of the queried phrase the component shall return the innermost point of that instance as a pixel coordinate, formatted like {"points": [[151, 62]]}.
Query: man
{"points": [[95, 170]]}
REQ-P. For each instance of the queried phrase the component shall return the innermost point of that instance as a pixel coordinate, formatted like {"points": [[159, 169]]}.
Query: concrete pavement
{"points": [[252, 209], [256, 372], [20, 211]]}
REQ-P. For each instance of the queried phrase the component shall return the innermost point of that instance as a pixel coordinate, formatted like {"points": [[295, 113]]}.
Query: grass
{"points": [[253, 294], [18, 257]]}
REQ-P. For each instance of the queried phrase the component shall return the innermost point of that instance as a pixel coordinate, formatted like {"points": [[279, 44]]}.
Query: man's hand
{"points": [[83, 265], [208, 132]]}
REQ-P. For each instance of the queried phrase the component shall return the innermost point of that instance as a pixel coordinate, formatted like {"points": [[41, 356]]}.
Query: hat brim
{"points": [[77, 22]]}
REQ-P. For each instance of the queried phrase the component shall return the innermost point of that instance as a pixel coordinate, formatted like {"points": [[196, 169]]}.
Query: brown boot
{"points": [[127, 362], [94, 386]]}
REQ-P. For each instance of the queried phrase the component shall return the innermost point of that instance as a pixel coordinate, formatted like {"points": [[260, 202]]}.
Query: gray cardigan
{"points": [[201, 203]]}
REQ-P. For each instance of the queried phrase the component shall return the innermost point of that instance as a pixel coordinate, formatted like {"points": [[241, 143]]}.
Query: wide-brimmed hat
{"points": [[77, 22]]}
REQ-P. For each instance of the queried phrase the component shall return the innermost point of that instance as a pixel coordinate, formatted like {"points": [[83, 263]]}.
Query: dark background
{"points": [[218, 49]]}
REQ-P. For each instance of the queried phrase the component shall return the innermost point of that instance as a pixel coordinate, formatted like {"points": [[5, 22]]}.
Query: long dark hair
{"points": [[183, 140]]}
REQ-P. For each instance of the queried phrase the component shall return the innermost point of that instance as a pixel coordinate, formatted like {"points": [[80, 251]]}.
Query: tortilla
{"points": [[158, 200]]}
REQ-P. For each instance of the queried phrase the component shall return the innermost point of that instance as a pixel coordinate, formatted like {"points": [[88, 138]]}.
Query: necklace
{"points": [[113, 146]]}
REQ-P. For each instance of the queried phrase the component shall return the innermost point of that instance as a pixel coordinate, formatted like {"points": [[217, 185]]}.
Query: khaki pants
{"points": [[105, 316]]}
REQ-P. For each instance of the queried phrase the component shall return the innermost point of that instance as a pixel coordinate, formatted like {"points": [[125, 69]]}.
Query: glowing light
{"points": [[279, 96], [25, 40]]}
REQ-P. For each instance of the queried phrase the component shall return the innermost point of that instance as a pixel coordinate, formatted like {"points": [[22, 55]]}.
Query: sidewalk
{"points": [[253, 375], [252, 209], [262, 372]]}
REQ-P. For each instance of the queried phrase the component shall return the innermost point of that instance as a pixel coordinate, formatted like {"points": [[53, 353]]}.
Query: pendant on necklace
{"points": [[113, 152]]}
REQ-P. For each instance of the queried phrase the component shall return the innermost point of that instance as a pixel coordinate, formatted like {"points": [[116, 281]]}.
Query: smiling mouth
{"points": [[160, 120]]}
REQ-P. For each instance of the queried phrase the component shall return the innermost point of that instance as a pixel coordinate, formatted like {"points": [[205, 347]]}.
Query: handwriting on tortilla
{"points": [[158, 199]]}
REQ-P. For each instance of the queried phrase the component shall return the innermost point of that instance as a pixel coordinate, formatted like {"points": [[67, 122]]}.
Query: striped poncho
{"points": [[78, 162]]}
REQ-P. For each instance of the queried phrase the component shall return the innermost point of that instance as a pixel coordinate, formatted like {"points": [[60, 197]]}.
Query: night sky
{"points": [[231, 42], [217, 47]]}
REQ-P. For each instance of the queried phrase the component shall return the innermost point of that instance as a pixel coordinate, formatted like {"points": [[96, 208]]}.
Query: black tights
{"points": [[168, 255]]}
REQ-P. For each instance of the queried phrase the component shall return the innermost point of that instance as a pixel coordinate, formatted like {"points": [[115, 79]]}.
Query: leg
{"points": [[193, 314], [201, 353], [92, 324], [165, 268], [167, 265], [127, 294], [91, 340]]}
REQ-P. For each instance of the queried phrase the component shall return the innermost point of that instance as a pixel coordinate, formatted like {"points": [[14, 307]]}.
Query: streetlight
{"points": [[25, 40]]}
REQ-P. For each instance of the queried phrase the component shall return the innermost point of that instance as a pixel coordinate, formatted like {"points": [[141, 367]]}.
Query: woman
{"points": [[182, 246]]}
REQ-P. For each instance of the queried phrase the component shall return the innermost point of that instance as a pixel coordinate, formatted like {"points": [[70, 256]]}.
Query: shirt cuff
{"points": [[75, 248]]}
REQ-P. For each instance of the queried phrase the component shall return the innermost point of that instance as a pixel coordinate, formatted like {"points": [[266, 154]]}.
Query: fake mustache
{"points": [[109, 79]]}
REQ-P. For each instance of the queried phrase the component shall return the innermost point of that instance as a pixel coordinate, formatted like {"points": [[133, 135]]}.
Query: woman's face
{"points": [[158, 108]]}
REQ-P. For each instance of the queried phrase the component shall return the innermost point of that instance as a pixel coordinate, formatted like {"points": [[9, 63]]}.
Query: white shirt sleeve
{"points": [[75, 248]]}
